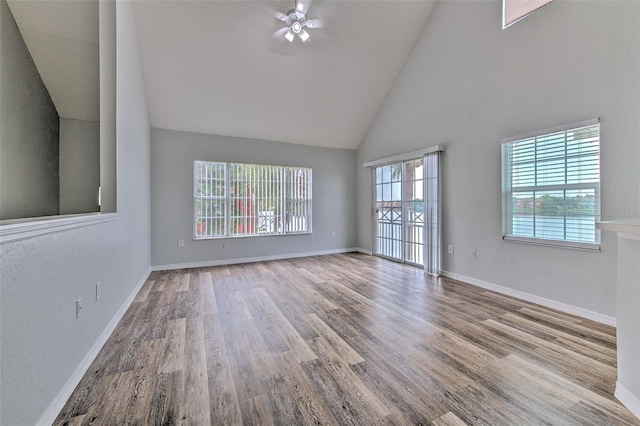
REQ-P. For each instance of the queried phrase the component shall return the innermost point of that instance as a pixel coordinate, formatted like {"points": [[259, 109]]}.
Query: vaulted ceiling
{"points": [[62, 37], [220, 67]]}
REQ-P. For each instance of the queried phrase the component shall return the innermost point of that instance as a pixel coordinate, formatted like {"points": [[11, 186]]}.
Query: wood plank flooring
{"points": [[344, 339]]}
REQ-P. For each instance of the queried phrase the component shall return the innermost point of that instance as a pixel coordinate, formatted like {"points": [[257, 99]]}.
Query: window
{"points": [[551, 186], [232, 199], [515, 10]]}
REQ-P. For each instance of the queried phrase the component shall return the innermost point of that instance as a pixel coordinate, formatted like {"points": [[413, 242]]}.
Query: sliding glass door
{"points": [[413, 211], [388, 211], [399, 211], [406, 212]]}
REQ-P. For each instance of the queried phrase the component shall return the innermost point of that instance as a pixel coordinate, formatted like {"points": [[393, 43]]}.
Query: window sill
{"points": [[225, 237], [22, 229], [552, 243]]}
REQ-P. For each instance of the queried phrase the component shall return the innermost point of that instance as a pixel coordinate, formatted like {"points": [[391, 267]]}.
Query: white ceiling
{"points": [[216, 66], [62, 37]]}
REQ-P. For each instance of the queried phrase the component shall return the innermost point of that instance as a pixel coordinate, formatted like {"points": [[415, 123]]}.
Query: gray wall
{"points": [[29, 131], [467, 84], [41, 341], [172, 155], [79, 166]]}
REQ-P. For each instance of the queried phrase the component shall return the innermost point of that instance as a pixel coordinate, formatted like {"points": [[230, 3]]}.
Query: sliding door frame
{"points": [[405, 221], [432, 206]]}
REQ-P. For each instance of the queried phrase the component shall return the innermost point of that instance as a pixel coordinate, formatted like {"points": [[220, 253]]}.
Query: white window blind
{"points": [[515, 10], [232, 199], [210, 194], [551, 186], [297, 199]]}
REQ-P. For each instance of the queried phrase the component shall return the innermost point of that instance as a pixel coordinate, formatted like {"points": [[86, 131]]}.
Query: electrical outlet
{"points": [[333, 233], [180, 243], [474, 253], [450, 249], [78, 307], [98, 291], [225, 245]]}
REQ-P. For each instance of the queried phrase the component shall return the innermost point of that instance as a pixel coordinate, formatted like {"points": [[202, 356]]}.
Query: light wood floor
{"points": [[344, 340]]}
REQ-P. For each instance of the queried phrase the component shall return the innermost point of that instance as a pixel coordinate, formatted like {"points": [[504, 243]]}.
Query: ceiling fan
{"points": [[297, 23]]}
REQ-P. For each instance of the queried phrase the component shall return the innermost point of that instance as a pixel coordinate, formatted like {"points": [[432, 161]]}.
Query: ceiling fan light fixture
{"points": [[296, 27], [296, 21], [289, 36]]}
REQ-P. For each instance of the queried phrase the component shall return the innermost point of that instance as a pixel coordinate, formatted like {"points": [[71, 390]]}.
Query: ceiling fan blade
{"points": [[314, 23], [280, 16], [280, 33], [304, 5]]}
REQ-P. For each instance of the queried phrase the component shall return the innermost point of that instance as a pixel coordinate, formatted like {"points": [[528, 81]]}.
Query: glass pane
{"points": [[379, 174], [379, 193], [396, 172], [580, 229], [386, 173], [396, 191], [298, 199], [386, 192], [583, 169], [523, 209], [550, 203], [551, 172]]}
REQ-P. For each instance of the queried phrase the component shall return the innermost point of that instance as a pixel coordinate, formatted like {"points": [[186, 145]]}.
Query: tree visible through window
{"points": [[233, 199]]}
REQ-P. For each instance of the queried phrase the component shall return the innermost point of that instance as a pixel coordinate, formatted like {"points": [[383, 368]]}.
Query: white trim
{"points": [[407, 156], [549, 303], [628, 236], [628, 399], [235, 261], [52, 411], [629, 228], [23, 230], [579, 124], [552, 243], [230, 237], [363, 251]]}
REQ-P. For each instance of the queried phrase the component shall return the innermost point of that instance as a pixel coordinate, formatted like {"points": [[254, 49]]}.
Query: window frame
{"points": [[282, 184], [514, 11], [507, 191]]}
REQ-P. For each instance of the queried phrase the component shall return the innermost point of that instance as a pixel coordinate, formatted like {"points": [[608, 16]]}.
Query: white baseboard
{"points": [[549, 303], [52, 411], [235, 261], [628, 399], [363, 251]]}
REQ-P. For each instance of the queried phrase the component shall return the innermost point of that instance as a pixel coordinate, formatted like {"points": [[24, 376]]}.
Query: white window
{"points": [[232, 199], [515, 10], [551, 186]]}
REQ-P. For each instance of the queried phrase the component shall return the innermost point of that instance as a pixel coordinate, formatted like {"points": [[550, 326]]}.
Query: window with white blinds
{"points": [[551, 186], [515, 10], [233, 199]]}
